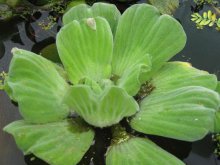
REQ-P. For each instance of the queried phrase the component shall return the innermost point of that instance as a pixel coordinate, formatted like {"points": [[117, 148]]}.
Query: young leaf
{"points": [[141, 31], [101, 109], [57, 143], [131, 80], [85, 49], [180, 90], [139, 151], [105, 10], [36, 85]]}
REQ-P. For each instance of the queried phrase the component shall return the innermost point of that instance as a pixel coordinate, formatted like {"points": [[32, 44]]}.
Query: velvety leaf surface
{"points": [[85, 49], [142, 30], [36, 85], [103, 108], [181, 102], [105, 10], [131, 80], [139, 151], [57, 143], [175, 75]]}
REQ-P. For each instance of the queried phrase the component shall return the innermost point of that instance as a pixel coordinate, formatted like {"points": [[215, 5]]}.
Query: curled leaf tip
{"points": [[91, 23]]}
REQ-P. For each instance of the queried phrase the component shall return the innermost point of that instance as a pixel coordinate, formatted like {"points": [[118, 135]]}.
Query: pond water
{"points": [[202, 51]]}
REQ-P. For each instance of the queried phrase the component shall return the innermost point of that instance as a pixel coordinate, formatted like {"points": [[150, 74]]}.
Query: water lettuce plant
{"points": [[114, 67]]}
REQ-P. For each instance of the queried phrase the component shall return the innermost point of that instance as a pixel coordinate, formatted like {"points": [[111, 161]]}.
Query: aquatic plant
{"points": [[114, 67], [216, 140], [207, 19], [203, 2], [25, 9]]}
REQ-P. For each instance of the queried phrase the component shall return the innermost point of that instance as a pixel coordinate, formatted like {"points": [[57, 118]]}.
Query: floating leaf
{"points": [[139, 151], [208, 18], [57, 143], [85, 49], [107, 11], [142, 31], [37, 86], [74, 3], [101, 109], [50, 53], [180, 90]]}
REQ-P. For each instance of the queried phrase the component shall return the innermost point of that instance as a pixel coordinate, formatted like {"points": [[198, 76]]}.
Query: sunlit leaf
{"points": [[139, 151], [57, 143], [142, 30], [107, 11], [37, 86], [181, 102], [85, 49], [101, 109]]}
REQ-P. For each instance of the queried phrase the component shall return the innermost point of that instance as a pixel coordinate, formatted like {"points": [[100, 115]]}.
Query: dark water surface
{"points": [[202, 51]]}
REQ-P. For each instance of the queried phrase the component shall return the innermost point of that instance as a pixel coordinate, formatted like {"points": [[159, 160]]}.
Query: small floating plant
{"points": [[207, 18], [114, 67]]}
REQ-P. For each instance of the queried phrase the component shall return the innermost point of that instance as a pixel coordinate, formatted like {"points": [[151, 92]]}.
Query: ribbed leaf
{"points": [[101, 109], [85, 49], [56, 143], [131, 80], [181, 103], [142, 30], [139, 151], [36, 85], [105, 10], [175, 75]]}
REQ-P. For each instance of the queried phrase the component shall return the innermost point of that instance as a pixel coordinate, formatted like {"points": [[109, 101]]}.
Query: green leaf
{"points": [[141, 31], [165, 6], [217, 114], [85, 49], [57, 143], [13, 3], [105, 10], [74, 3], [139, 151], [50, 53], [101, 109], [183, 102], [175, 75], [131, 80], [36, 85]]}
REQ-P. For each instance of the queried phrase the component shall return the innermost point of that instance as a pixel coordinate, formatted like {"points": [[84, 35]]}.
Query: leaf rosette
{"points": [[107, 58]]}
